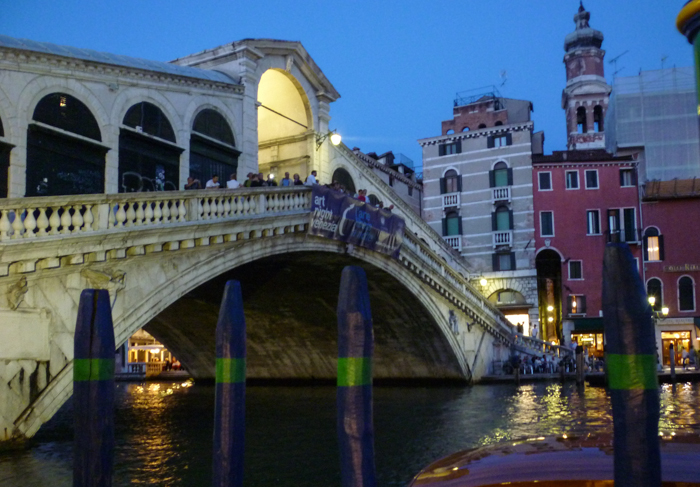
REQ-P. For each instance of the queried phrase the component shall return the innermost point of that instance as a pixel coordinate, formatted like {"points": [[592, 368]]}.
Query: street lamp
{"points": [[657, 315], [483, 281], [321, 138]]}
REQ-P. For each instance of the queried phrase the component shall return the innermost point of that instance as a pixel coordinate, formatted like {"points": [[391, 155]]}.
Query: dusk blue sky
{"points": [[396, 64]]}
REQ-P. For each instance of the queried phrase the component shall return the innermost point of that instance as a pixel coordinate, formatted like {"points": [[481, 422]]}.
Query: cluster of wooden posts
{"points": [[94, 387]]}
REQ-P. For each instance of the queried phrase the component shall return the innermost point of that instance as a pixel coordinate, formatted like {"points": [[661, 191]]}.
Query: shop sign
{"points": [[682, 268]]}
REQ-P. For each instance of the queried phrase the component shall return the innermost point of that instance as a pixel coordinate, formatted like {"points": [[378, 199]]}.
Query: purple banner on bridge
{"points": [[337, 216]]}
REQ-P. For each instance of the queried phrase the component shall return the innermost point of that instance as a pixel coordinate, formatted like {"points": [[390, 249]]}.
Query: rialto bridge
{"points": [[88, 143]]}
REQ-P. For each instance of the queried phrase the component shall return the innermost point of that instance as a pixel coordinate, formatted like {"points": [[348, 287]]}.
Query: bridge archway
{"points": [[345, 179], [548, 264], [285, 122]]}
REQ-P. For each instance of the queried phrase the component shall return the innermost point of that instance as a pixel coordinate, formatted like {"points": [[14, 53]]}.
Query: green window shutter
{"points": [[509, 139], [645, 247], [443, 186], [489, 142], [492, 179], [582, 304], [460, 226], [510, 176], [441, 150], [661, 247], [494, 262], [459, 146], [512, 261], [444, 227], [459, 183], [510, 217], [494, 221]]}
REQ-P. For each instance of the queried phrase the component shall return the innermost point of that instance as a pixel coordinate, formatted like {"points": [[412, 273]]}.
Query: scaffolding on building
{"points": [[656, 111]]}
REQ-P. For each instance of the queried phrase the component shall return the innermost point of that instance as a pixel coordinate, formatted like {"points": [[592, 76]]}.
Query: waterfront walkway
{"points": [[593, 378]]}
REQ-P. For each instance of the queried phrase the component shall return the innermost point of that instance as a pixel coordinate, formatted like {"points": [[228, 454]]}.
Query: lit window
{"points": [[653, 245], [576, 304], [654, 290], [62, 101], [571, 179]]}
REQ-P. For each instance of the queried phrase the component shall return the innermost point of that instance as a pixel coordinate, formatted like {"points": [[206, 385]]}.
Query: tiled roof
{"points": [[115, 59]]}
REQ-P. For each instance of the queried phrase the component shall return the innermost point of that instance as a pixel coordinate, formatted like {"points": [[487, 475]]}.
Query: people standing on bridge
{"points": [[533, 331], [311, 179], [285, 180], [213, 183], [256, 181], [362, 195], [193, 183], [684, 358], [233, 183], [249, 179], [270, 181], [297, 181]]}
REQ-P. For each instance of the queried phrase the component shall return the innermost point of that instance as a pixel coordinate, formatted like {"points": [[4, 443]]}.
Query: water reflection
{"points": [[164, 430]]}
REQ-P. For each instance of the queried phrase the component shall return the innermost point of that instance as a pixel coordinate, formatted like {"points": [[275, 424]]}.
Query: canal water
{"points": [[164, 430]]}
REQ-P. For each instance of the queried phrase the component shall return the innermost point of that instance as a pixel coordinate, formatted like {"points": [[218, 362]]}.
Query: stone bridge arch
{"points": [[154, 284]]}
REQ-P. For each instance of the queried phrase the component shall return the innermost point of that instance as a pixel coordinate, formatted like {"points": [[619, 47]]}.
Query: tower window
{"points": [[581, 124], [598, 118]]}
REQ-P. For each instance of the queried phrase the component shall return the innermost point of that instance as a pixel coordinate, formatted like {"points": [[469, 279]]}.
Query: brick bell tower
{"points": [[585, 98]]}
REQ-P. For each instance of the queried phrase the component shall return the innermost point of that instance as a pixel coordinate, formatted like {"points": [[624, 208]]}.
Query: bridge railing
{"points": [[537, 346], [37, 217]]}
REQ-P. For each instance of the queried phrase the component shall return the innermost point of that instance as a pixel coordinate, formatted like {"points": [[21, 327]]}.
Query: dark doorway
{"points": [[57, 162], [148, 163], [212, 147], [548, 264], [344, 178]]}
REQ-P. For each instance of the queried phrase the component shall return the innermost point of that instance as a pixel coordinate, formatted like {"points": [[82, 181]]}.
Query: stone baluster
{"points": [[182, 211], [140, 214], [200, 209], [17, 225], [54, 221], [120, 215], [246, 205], [29, 223], [207, 209], [65, 220], [89, 219], [239, 205], [5, 225], [77, 219], [220, 207], [42, 223], [166, 211], [157, 214], [148, 214], [130, 215], [227, 206]]}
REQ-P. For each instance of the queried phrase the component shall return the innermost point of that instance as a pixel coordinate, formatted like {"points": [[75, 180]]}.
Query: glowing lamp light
{"points": [[664, 311], [272, 176], [550, 319], [483, 281], [652, 300], [336, 138], [550, 308]]}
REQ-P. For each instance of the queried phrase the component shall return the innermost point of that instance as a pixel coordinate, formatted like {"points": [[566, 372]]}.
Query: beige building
{"points": [[477, 179]]}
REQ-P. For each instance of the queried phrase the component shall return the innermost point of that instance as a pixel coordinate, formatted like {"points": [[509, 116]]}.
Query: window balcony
{"points": [[454, 242], [500, 194], [450, 200], [503, 238]]}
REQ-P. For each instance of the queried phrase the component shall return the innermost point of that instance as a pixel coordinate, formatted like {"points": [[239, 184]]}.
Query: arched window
{"points": [[502, 219], [148, 163], [686, 294], [465, 129], [212, 147], [451, 224], [482, 125], [653, 245], [654, 289], [59, 163], [598, 118], [373, 200], [451, 131], [498, 124], [345, 180], [501, 175], [451, 182], [581, 123]]}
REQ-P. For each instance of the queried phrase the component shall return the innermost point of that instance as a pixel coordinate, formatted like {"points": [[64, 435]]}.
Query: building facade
{"points": [[477, 183]]}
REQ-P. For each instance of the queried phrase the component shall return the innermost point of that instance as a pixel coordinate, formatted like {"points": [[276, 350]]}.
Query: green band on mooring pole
{"points": [[87, 369], [354, 371], [631, 372], [230, 370]]}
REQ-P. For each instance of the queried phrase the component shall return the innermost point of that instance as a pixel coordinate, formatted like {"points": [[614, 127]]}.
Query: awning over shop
{"points": [[587, 324]]}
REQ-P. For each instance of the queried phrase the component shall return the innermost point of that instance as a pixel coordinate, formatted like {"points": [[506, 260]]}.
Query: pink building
{"points": [[582, 199], [671, 216]]}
